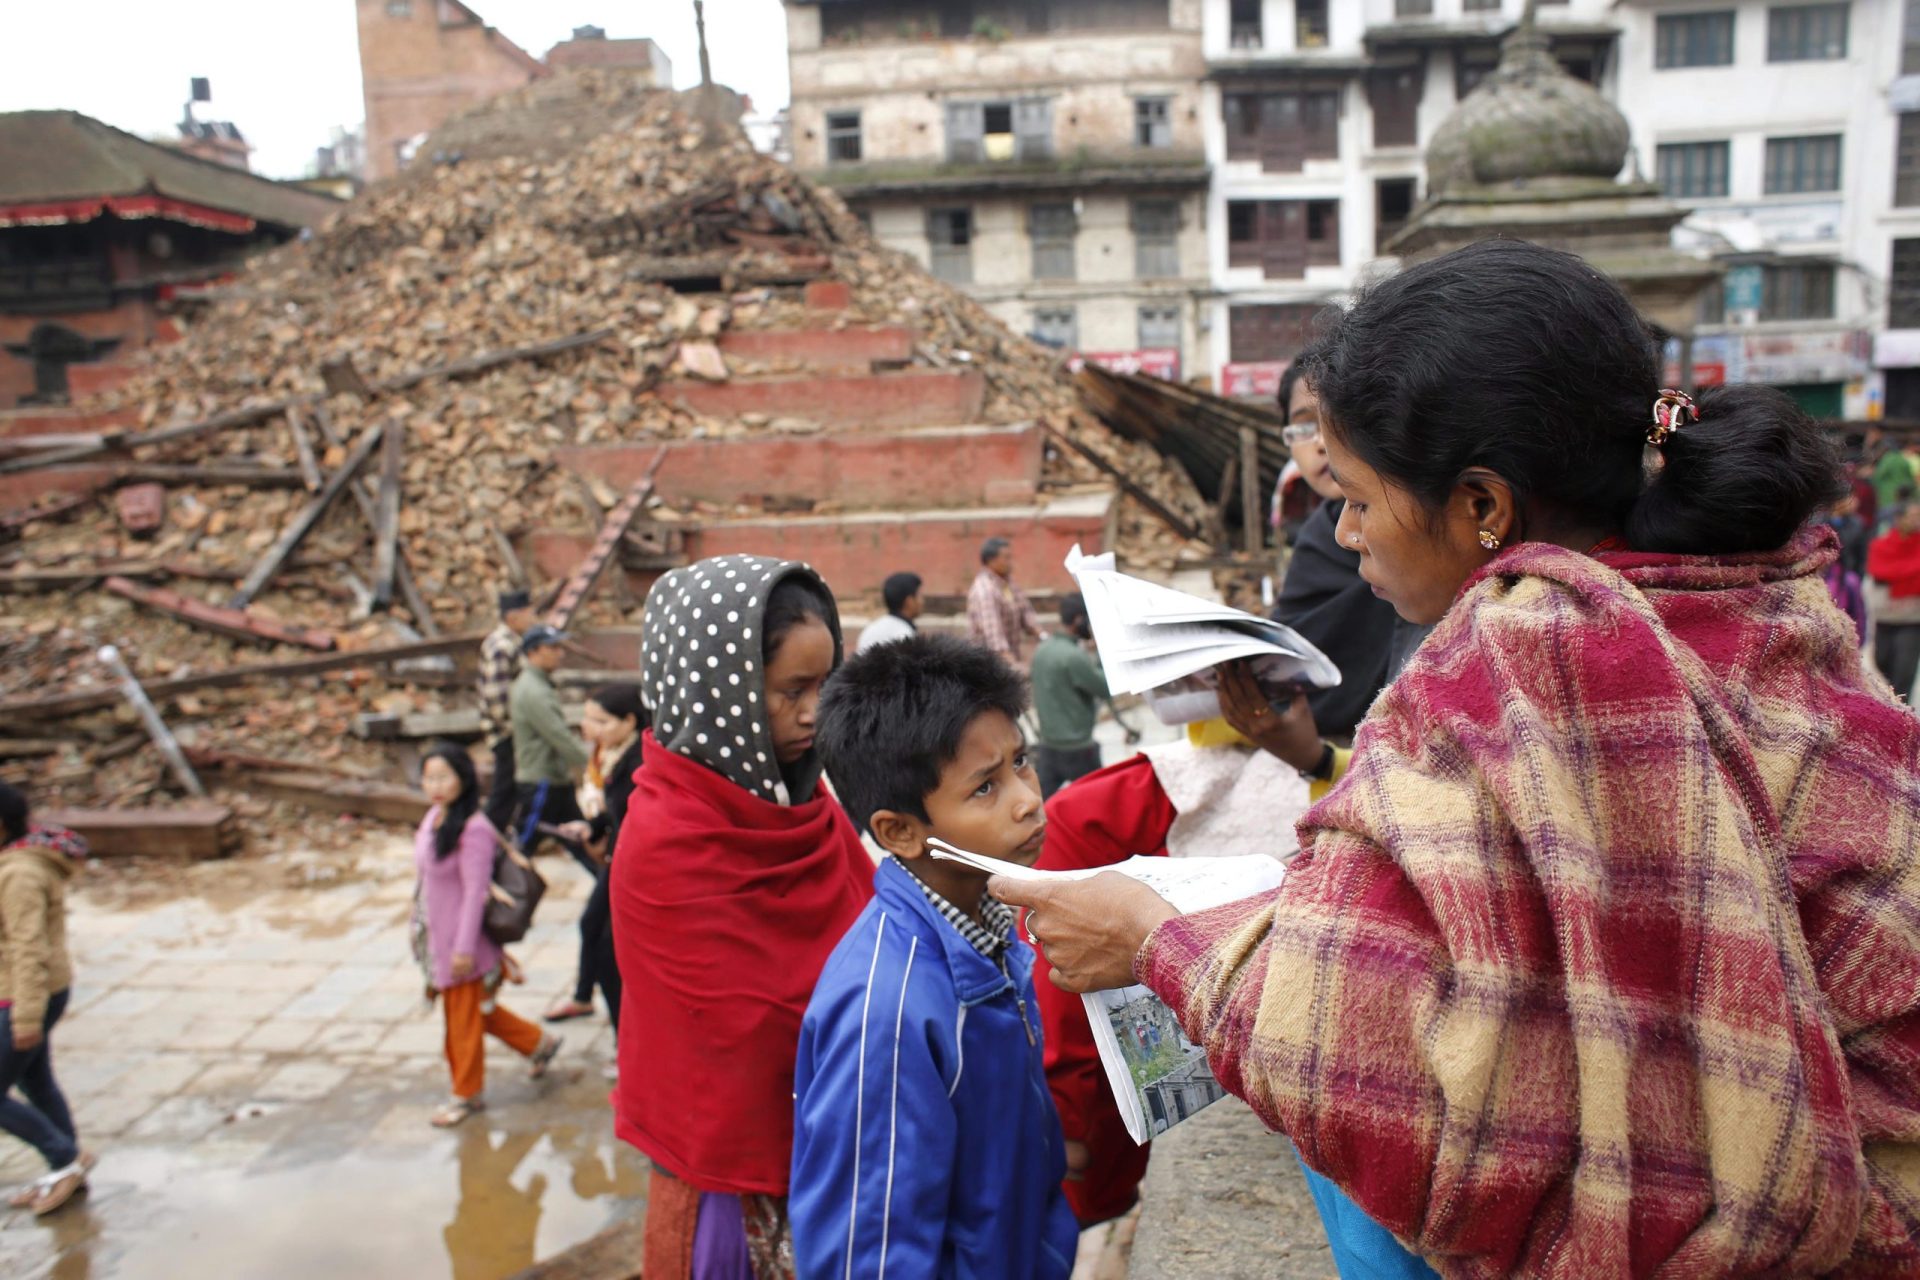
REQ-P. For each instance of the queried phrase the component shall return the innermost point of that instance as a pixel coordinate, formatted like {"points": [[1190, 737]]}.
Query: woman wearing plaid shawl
{"points": [[1603, 959]]}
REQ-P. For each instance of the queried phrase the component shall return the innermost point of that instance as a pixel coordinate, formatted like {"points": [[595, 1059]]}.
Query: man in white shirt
{"points": [[902, 594]]}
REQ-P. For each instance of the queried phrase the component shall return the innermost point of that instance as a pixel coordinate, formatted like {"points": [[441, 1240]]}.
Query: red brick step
{"points": [[910, 398], [946, 467], [853, 348]]}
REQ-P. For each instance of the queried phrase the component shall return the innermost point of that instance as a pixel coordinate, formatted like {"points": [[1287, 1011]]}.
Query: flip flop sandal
{"points": [[566, 1011], [26, 1195], [456, 1111], [543, 1056], [58, 1190]]}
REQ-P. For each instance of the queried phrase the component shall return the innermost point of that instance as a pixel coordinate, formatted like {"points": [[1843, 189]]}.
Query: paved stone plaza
{"points": [[255, 1065]]}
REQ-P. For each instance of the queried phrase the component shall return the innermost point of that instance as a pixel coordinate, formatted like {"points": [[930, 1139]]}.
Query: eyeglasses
{"points": [[1300, 432]]}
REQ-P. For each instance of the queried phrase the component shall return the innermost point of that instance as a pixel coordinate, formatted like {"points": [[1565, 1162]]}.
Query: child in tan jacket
{"points": [[36, 861]]}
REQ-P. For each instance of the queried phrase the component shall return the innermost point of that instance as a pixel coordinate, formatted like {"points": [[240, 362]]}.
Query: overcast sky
{"points": [[288, 71]]}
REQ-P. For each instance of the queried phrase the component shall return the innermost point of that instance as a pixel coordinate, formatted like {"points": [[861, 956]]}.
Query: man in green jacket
{"points": [[1068, 688], [547, 754]]}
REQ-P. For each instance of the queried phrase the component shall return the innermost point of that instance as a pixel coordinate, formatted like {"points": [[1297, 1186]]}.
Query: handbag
{"points": [[512, 896]]}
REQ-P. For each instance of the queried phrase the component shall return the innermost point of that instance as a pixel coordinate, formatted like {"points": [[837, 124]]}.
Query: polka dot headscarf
{"points": [[701, 671]]}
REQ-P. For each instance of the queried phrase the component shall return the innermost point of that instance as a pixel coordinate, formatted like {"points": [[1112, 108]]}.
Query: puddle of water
{"points": [[477, 1204]]}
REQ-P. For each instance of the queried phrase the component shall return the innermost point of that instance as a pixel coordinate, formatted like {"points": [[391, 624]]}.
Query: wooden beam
{"points": [[386, 514], [1132, 490], [191, 833], [1252, 512], [90, 699], [303, 447], [402, 572], [580, 584], [232, 473], [303, 523], [228, 622], [379, 800], [516, 572]]}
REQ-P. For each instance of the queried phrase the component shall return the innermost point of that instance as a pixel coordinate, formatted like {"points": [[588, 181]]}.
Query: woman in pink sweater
{"points": [[454, 850]]}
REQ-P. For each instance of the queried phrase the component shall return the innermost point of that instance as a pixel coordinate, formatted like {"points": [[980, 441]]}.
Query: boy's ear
{"points": [[900, 834]]}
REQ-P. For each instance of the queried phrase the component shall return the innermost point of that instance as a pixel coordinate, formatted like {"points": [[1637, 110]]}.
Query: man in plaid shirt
{"points": [[499, 664], [999, 615]]}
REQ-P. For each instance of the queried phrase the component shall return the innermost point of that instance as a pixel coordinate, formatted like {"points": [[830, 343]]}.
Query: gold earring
{"points": [[1489, 540]]}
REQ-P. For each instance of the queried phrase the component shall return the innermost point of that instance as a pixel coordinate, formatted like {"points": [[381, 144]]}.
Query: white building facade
{"points": [[1046, 156], [1318, 113], [1777, 122]]}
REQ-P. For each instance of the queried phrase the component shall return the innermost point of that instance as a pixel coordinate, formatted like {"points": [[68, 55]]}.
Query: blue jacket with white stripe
{"points": [[925, 1142]]}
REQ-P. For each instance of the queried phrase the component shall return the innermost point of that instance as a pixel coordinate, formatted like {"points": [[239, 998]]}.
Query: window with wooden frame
{"points": [[1693, 40], [1393, 94], [1156, 239], [1283, 237], [843, 137], [1906, 161], [1051, 228], [950, 233], [1807, 32], [1796, 166], [1692, 170], [1284, 129], [1797, 291], [1903, 286], [1056, 327], [1153, 122]]}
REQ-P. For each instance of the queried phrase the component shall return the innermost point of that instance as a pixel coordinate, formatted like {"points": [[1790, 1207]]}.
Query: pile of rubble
{"points": [[355, 431]]}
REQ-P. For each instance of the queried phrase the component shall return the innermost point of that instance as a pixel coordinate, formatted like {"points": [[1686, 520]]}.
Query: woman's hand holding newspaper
{"points": [[1089, 930]]}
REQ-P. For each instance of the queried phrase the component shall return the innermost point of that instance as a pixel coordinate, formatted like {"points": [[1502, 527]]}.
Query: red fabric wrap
{"points": [[1104, 818], [725, 907]]}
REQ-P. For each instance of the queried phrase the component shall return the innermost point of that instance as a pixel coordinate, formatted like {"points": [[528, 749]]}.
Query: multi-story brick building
{"points": [[421, 61], [1047, 156]]}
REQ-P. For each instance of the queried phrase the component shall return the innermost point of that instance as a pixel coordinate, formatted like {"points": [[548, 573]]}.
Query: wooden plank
{"points": [[378, 727], [228, 622], [402, 571], [516, 572], [253, 477], [192, 833], [1252, 510], [303, 447], [303, 523], [386, 514], [24, 748], [89, 699], [382, 801], [1134, 491], [580, 584]]}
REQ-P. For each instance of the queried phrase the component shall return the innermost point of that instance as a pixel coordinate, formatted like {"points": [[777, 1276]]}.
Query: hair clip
{"points": [[1671, 410]]}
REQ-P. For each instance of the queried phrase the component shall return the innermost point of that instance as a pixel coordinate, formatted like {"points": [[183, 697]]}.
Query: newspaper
{"points": [[1158, 1076], [1165, 644]]}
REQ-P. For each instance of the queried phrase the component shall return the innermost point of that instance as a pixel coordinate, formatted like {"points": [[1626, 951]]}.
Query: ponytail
{"points": [[1742, 477]]}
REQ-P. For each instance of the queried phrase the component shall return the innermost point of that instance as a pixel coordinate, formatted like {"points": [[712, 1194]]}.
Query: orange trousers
{"points": [[468, 1028]]}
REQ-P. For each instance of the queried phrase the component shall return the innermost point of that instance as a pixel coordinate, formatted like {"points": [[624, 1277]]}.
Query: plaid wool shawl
{"points": [[1604, 957]]}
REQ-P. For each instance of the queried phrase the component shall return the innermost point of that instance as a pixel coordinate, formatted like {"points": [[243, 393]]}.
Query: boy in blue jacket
{"points": [[925, 1141]]}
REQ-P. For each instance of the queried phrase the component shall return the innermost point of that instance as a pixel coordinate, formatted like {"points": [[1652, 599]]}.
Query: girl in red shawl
{"points": [[1601, 958], [734, 876]]}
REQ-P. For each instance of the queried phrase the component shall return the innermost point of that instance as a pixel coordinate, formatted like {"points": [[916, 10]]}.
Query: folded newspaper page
{"points": [[1158, 1076], [1164, 643]]}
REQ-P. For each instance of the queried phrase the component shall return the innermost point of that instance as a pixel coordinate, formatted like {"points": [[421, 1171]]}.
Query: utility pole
{"points": [[700, 26]]}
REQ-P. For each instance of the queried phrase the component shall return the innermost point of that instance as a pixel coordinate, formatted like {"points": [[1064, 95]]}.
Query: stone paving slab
{"points": [[256, 1068]]}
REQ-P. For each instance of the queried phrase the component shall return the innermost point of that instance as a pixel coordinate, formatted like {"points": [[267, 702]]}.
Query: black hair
{"points": [[1073, 608], [15, 809], [990, 549], [453, 822], [1289, 378], [621, 700], [898, 589], [892, 718], [1529, 362], [795, 599]]}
